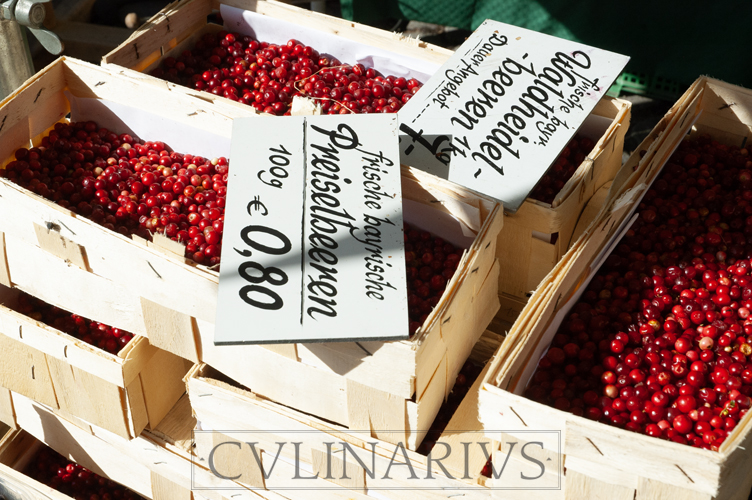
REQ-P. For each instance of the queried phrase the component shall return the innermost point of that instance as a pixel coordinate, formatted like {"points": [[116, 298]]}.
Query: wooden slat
{"points": [[135, 355], [429, 405], [25, 370], [176, 428], [164, 489], [650, 489], [162, 384], [581, 486], [380, 412], [89, 397], [138, 418], [51, 280], [474, 316], [170, 330], [591, 210], [366, 363], [7, 414], [602, 472], [328, 399], [429, 356], [287, 350], [4, 270], [236, 460], [167, 246], [347, 474]]}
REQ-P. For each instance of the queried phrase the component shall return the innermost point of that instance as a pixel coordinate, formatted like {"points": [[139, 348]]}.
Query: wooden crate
{"points": [[123, 392], [227, 412], [541, 233], [17, 448], [179, 25], [602, 460]]}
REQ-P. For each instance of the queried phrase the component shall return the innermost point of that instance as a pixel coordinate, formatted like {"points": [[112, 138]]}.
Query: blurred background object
{"points": [[17, 19], [125, 13]]}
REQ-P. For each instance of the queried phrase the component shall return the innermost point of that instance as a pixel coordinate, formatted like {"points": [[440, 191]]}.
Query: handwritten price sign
{"points": [[313, 247], [501, 109]]}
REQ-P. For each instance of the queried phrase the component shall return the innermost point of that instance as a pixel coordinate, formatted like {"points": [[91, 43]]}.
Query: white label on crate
{"points": [[496, 115], [313, 245]]}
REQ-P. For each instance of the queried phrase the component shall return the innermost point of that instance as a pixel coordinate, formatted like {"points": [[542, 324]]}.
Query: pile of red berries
{"points": [[562, 169], [128, 185], [267, 76], [98, 334], [431, 263], [661, 340], [465, 379], [55, 471]]}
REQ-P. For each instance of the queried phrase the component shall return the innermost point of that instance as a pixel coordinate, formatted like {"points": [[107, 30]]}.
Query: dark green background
{"points": [[671, 40]]}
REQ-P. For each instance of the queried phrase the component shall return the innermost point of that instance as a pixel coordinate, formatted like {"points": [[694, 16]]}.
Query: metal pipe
{"points": [[15, 59]]}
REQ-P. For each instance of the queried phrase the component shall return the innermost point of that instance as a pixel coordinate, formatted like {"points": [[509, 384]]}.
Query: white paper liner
{"points": [[594, 127], [124, 119], [269, 29], [542, 348], [437, 222]]}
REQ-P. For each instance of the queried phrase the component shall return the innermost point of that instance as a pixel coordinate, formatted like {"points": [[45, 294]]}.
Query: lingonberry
{"points": [[668, 314], [92, 332], [267, 76], [137, 197], [54, 470], [426, 256]]}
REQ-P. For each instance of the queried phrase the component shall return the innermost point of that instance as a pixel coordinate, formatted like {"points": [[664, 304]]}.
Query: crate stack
{"points": [[103, 409]]}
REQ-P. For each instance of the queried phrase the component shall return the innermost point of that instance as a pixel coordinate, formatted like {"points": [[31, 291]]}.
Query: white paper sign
{"points": [[496, 115], [313, 246]]}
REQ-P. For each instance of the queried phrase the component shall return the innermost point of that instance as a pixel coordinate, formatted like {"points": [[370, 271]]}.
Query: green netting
{"points": [[430, 11], [656, 87]]}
